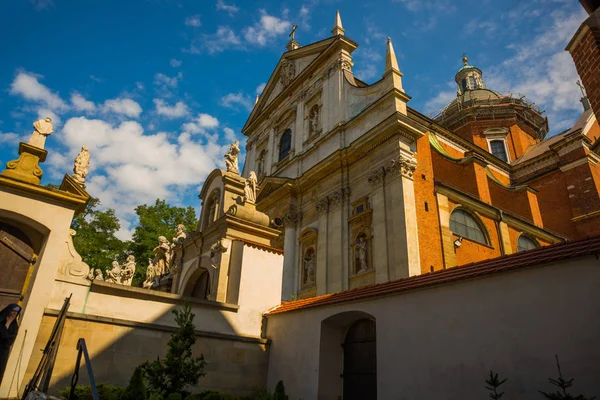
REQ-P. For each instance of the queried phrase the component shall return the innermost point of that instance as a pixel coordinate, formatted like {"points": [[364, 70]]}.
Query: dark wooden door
{"points": [[360, 362], [15, 260]]}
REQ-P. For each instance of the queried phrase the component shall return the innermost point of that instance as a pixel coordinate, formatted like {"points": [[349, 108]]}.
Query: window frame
{"points": [[478, 223], [499, 140], [532, 240], [289, 149]]}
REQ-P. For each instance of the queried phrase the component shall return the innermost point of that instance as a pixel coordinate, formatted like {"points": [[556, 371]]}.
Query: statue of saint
{"points": [[99, 276], [127, 271], [250, 188], [313, 119], [361, 253], [43, 128], [181, 235], [81, 165], [114, 275], [231, 158], [309, 267], [150, 275], [163, 256]]}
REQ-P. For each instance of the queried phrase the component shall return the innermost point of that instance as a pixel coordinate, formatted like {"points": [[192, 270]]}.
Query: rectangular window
{"points": [[499, 149]]}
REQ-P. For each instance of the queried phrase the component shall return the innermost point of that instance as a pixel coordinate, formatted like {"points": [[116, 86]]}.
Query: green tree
{"points": [[160, 219], [95, 240], [179, 369], [563, 384]]}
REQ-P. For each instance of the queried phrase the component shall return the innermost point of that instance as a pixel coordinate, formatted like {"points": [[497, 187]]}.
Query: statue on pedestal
{"points": [[114, 275], [150, 275], [127, 271], [231, 158], [81, 165], [162, 261], [43, 128], [250, 188]]}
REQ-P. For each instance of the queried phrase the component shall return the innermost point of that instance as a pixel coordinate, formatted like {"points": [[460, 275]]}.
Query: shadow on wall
{"points": [[235, 363]]}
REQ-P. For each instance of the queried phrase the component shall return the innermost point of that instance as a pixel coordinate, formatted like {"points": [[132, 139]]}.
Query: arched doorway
{"points": [[16, 260], [360, 361], [201, 288]]}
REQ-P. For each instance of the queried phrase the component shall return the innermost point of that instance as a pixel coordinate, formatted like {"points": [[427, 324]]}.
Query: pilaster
{"points": [[381, 260], [505, 237], [447, 239], [322, 243], [290, 222]]}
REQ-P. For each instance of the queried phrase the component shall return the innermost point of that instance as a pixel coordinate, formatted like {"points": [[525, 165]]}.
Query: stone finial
{"points": [[391, 63], [42, 129], [81, 165], [231, 158], [338, 29]]}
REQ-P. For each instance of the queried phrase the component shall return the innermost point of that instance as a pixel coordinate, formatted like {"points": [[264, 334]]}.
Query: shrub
{"points": [[105, 392], [494, 384], [179, 369], [280, 392], [136, 390], [174, 396]]}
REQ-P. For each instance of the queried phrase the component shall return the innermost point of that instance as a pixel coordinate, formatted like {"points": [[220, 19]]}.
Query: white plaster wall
{"points": [[440, 343], [57, 221]]}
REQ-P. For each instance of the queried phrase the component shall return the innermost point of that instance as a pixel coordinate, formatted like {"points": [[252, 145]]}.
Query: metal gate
{"points": [[16, 257], [360, 362]]}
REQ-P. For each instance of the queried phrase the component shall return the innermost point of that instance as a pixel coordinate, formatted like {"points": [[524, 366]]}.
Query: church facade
{"points": [[364, 251]]}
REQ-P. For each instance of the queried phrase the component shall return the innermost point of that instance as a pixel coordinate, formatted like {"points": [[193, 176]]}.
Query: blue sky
{"points": [[157, 89]]}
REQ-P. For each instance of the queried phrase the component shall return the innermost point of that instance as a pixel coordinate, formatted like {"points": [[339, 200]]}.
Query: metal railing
{"points": [[82, 350]]}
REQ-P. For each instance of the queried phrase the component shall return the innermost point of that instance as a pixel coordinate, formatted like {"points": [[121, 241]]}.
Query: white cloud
{"points": [[175, 63], [201, 124], [229, 8], [235, 100], [260, 88], [366, 72], [130, 167], [193, 20], [224, 38], [442, 99], [266, 29], [179, 110], [81, 104], [230, 135], [124, 106], [162, 79], [27, 85], [43, 112], [9, 138]]}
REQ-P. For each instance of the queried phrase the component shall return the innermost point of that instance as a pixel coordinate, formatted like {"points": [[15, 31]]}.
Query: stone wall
{"points": [[236, 364]]}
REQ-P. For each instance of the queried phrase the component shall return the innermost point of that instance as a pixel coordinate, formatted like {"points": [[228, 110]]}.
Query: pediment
{"points": [[289, 69]]}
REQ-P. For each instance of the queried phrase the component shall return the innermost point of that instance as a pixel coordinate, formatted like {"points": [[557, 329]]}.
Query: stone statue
{"points": [[43, 128], [181, 235], [211, 212], [163, 256], [250, 188], [95, 274], [361, 253], [81, 165], [150, 275], [231, 158], [114, 275], [127, 271], [309, 267], [313, 119]]}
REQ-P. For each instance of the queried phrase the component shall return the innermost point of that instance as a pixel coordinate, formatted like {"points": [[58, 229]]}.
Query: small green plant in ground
{"points": [[136, 390], [280, 392], [174, 396], [179, 369], [563, 385], [105, 392], [494, 384]]}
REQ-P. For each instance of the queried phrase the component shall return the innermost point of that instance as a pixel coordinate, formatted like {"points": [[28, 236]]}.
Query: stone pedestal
{"points": [[26, 168]]}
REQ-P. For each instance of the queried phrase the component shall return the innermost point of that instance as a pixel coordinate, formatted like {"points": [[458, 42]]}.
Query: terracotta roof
{"points": [[544, 145], [524, 259]]}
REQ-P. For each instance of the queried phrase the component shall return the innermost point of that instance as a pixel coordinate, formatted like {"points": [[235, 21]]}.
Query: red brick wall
{"points": [[586, 55]]}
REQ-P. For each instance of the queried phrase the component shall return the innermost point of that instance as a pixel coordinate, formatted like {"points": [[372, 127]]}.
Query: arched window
{"points": [[285, 144], [464, 225], [472, 82], [498, 149], [464, 85], [526, 243]]}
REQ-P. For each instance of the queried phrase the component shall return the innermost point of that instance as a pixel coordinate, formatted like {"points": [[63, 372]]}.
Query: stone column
{"points": [[334, 263], [323, 211], [381, 261], [400, 196], [290, 221], [505, 237]]}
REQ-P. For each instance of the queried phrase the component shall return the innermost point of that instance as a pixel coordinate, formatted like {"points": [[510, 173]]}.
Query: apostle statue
{"points": [[114, 275], [150, 275], [361, 253], [43, 128], [309, 267], [95, 274], [127, 271], [250, 188], [81, 165], [162, 252], [231, 158], [181, 235]]}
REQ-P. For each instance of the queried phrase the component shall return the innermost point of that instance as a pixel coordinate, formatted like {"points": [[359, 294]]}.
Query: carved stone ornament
{"points": [[291, 218], [42, 129], [81, 165], [72, 264], [322, 205], [288, 72], [400, 165], [231, 158], [376, 177], [217, 248]]}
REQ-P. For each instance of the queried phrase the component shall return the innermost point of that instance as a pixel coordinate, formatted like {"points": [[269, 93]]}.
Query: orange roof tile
{"points": [[510, 262]]}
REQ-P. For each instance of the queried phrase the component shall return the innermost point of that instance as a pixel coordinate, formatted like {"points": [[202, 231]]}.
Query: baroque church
{"points": [[365, 250]]}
